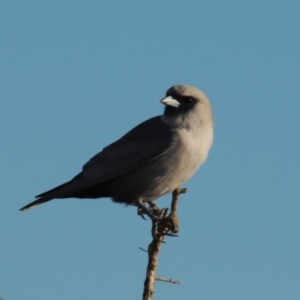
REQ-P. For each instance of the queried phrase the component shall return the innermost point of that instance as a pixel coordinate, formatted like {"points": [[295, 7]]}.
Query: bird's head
{"points": [[186, 105]]}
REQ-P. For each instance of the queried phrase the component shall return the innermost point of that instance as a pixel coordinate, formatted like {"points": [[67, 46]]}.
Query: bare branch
{"points": [[168, 225]]}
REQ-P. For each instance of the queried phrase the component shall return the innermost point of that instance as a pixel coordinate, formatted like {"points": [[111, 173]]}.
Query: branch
{"points": [[167, 225]]}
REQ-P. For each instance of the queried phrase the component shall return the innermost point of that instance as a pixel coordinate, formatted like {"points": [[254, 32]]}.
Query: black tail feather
{"points": [[75, 188]]}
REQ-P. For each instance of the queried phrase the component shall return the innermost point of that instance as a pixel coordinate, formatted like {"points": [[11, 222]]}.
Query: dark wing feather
{"points": [[147, 141], [143, 143]]}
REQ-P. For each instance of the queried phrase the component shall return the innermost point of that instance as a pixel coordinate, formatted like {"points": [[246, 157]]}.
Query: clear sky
{"points": [[77, 75]]}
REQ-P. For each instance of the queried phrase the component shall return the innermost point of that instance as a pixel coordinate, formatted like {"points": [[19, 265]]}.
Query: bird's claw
{"points": [[153, 211]]}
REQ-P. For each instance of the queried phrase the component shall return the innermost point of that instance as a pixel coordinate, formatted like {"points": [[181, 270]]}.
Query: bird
{"points": [[153, 159]]}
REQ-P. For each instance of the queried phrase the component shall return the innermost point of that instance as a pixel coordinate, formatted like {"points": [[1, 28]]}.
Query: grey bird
{"points": [[152, 159]]}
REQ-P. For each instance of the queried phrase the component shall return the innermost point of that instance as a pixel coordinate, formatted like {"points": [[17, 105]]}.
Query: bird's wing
{"points": [[146, 142], [149, 140]]}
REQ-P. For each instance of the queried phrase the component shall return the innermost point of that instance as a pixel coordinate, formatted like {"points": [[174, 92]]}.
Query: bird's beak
{"points": [[170, 101]]}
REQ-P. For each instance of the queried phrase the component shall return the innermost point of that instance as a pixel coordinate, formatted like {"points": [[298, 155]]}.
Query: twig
{"points": [[140, 249], [168, 225], [167, 280]]}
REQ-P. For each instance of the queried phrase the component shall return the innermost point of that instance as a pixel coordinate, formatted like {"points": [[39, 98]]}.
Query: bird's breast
{"points": [[167, 172], [192, 148]]}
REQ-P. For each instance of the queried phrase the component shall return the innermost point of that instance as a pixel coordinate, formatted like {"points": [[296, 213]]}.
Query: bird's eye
{"points": [[188, 100]]}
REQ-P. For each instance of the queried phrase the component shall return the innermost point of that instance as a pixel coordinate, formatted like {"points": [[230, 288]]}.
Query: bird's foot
{"points": [[157, 215], [162, 223], [153, 211]]}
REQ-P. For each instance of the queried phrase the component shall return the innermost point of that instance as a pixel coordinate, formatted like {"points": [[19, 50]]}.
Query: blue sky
{"points": [[76, 75]]}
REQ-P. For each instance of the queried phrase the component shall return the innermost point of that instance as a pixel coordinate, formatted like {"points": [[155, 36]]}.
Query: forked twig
{"points": [[168, 225]]}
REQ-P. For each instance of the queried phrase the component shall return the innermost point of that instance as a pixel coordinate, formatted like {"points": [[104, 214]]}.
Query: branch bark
{"points": [[167, 225]]}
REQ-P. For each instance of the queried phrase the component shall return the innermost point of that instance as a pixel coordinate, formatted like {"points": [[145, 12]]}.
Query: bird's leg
{"points": [[151, 210], [142, 210], [156, 210]]}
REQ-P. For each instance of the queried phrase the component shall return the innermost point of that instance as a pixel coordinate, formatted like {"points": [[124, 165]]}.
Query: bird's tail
{"points": [[60, 191], [79, 187], [34, 203]]}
